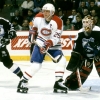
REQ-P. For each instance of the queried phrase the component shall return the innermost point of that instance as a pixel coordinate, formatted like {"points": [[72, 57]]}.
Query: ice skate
{"points": [[22, 86], [60, 87]]}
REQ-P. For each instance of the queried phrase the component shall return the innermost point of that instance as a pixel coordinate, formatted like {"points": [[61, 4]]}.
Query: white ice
{"points": [[41, 85]]}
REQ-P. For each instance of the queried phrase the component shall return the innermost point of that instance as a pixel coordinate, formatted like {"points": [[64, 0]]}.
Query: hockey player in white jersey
{"points": [[48, 28]]}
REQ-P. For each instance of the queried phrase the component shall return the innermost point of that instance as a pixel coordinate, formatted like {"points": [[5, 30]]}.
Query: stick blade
{"points": [[85, 89]]}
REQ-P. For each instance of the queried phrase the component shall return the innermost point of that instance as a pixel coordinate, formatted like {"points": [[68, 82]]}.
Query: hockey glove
{"points": [[47, 44], [32, 34], [97, 51], [12, 34], [4, 41]]}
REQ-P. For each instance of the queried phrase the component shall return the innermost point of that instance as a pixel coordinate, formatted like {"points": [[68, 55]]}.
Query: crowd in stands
{"points": [[2, 3], [70, 11]]}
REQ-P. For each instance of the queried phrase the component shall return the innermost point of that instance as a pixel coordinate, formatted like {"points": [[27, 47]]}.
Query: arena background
{"points": [[19, 47]]}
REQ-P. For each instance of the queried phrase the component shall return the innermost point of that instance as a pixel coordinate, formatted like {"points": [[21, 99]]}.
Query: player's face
{"points": [[87, 25], [47, 15]]}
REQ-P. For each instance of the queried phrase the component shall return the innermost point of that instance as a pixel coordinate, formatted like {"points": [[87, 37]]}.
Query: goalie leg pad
{"points": [[72, 82], [97, 64], [74, 62]]}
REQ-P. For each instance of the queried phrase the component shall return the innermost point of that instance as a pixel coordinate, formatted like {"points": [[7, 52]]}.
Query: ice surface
{"points": [[41, 85]]}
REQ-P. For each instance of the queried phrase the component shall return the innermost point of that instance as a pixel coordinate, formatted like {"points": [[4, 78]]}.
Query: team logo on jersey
{"points": [[88, 44], [45, 31]]}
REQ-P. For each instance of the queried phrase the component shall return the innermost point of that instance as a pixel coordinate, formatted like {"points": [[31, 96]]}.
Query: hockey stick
{"points": [[79, 79], [46, 52], [85, 89]]}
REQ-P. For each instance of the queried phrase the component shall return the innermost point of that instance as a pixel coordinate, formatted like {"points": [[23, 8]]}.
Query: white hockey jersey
{"points": [[48, 31]]}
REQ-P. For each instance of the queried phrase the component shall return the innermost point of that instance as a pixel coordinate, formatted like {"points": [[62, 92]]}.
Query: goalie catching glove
{"points": [[47, 45], [75, 61]]}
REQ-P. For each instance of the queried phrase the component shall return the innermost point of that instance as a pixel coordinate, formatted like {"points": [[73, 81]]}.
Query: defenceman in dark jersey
{"points": [[86, 49], [7, 33]]}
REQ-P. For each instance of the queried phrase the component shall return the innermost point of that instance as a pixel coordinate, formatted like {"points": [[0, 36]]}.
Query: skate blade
{"points": [[60, 91], [22, 90]]}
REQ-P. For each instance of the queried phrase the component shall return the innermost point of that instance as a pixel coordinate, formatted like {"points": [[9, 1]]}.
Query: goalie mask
{"points": [[87, 24]]}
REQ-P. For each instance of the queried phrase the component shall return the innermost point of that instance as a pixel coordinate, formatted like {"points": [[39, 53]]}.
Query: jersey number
{"points": [[57, 35]]}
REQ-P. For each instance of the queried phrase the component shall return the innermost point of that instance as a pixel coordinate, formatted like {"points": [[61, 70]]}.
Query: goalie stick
{"points": [[46, 52]]}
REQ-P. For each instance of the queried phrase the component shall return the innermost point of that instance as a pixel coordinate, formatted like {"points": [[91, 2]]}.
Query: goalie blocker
{"points": [[74, 62]]}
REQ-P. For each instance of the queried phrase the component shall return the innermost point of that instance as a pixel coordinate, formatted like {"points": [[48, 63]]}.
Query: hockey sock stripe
{"points": [[59, 72], [20, 74], [97, 63], [28, 75], [58, 76], [17, 70], [86, 68], [82, 74], [98, 69], [25, 78]]}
